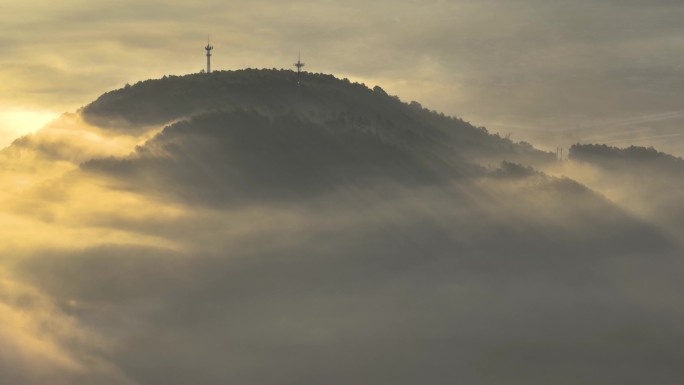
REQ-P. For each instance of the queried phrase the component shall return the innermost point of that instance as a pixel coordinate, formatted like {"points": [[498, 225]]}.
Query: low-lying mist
{"points": [[238, 247]]}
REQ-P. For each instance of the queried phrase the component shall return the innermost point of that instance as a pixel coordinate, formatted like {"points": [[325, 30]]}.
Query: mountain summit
{"points": [[270, 136], [336, 105]]}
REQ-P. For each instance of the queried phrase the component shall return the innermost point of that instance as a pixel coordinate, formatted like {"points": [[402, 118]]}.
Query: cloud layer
{"points": [[118, 269], [517, 67]]}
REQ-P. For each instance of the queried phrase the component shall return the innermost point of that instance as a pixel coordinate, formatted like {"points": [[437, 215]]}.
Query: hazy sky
{"points": [[334, 244], [520, 67]]}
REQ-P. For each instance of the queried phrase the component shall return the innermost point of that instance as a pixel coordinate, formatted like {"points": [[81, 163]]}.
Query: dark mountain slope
{"points": [[332, 103], [227, 156], [633, 157]]}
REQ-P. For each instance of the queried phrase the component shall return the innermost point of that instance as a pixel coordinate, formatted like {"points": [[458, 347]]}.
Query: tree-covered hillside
{"points": [[333, 104]]}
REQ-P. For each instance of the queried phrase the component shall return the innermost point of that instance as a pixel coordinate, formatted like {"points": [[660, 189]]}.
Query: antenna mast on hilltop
{"points": [[299, 66], [209, 47]]}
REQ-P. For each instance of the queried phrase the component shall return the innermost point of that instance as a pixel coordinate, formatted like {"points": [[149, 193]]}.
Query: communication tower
{"points": [[299, 66], [209, 47]]}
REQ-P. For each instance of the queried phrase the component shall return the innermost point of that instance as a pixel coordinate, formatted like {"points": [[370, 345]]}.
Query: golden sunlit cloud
{"points": [[16, 122], [272, 227]]}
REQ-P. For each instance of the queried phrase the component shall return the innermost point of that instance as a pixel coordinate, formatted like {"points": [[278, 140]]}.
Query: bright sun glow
{"points": [[15, 122]]}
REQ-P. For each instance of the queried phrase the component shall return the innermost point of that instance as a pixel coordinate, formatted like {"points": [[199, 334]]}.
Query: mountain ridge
{"points": [[335, 103]]}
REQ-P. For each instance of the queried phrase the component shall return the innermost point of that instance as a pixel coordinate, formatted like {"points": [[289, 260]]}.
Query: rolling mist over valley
{"points": [[253, 227]]}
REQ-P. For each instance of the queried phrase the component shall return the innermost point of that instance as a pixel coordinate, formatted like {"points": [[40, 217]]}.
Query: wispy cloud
{"points": [[191, 259], [188, 259], [547, 64]]}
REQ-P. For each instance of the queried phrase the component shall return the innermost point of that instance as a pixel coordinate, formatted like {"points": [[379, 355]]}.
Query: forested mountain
{"points": [[332, 104], [234, 227]]}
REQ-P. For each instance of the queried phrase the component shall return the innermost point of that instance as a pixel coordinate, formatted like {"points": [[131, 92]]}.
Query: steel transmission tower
{"points": [[209, 47], [299, 66]]}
